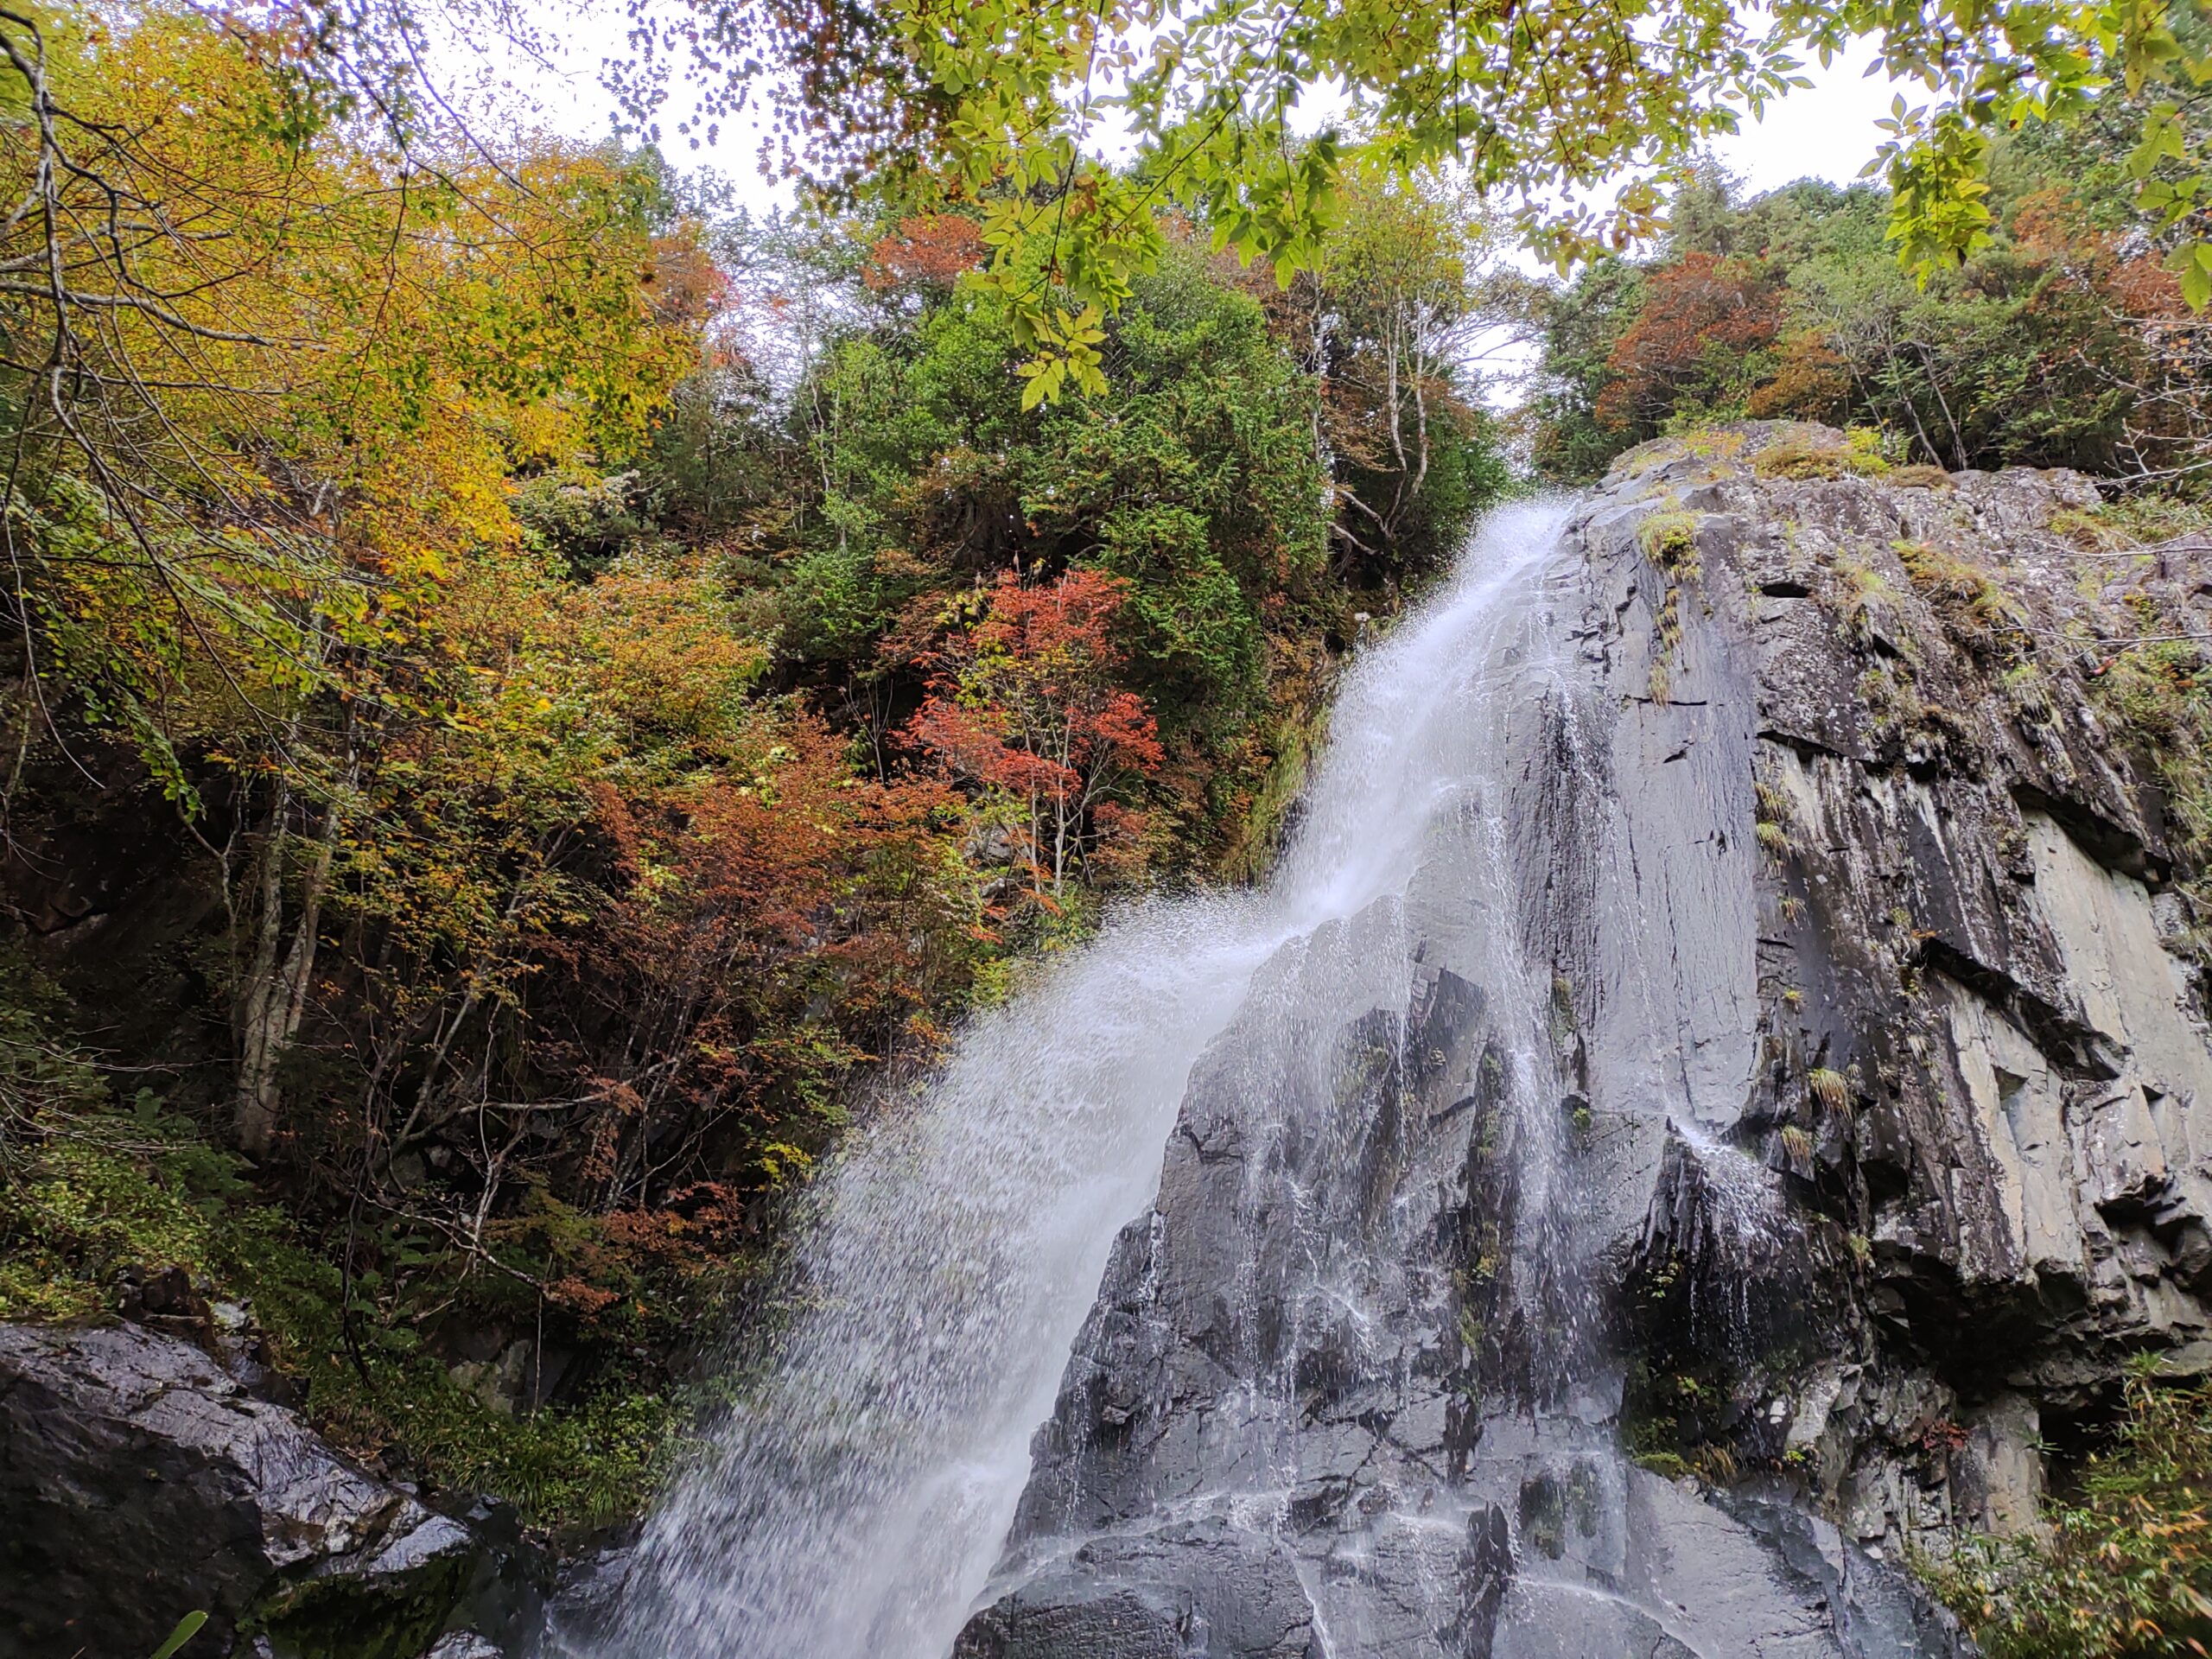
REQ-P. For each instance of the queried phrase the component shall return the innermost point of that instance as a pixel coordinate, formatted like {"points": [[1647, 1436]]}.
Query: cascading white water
{"points": [[858, 1495]]}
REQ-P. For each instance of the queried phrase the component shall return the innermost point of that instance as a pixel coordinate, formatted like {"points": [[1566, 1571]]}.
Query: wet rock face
{"points": [[1485, 1309], [139, 1482], [1771, 1107], [1977, 1037], [1182, 1589]]}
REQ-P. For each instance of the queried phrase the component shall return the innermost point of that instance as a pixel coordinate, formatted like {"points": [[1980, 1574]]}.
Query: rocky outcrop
{"points": [[139, 1481], [1768, 1111], [1976, 1033]]}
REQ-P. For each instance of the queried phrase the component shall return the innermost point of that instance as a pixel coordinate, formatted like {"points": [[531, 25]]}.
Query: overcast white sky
{"points": [[1824, 131]]}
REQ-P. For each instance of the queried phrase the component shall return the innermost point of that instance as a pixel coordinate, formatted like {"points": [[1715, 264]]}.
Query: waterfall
{"points": [[1255, 1284], [857, 1497]]}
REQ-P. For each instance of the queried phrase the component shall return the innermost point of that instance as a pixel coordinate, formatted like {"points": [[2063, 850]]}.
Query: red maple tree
{"points": [[925, 254], [1024, 699], [1701, 318], [774, 926]]}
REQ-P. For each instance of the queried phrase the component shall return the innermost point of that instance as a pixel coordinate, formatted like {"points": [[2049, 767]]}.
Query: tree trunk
{"points": [[274, 997]]}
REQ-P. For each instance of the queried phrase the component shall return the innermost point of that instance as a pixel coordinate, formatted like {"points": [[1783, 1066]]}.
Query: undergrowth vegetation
{"points": [[95, 1193], [2127, 1571], [528, 696]]}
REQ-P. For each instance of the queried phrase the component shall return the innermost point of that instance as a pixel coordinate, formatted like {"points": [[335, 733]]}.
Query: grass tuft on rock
{"points": [[1830, 1087]]}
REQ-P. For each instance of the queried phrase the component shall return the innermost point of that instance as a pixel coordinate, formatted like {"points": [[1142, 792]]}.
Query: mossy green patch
{"points": [[346, 1618], [1806, 459]]}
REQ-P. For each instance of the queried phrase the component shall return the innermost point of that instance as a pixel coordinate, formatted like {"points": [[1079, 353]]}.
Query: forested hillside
{"points": [[532, 701], [2064, 338], [530, 698]]}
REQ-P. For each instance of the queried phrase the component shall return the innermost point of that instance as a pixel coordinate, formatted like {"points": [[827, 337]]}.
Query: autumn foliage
{"points": [[771, 931], [2066, 340], [925, 254], [1703, 318], [585, 699], [1023, 702]]}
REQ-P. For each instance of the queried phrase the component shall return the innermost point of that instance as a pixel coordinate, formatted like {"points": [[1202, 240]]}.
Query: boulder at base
{"points": [[140, 1483]]}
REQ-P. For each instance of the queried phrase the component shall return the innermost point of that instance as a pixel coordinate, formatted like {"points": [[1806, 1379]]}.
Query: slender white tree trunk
{"points": [[276, 995]]}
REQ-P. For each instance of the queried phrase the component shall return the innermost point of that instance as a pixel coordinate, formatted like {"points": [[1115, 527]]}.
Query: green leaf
{"points": [[186, 1628], [2196, 285]]}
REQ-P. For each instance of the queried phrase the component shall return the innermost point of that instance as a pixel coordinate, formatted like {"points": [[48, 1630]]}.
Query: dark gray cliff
{"points": [[1976, 1033], [1767, 1109]]}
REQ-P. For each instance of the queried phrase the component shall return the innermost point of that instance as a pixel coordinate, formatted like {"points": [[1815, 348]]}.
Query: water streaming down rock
{"points": [[1350, 1387], [1346, 1389]]}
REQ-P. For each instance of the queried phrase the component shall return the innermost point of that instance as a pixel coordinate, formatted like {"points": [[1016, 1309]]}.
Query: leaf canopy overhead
{"points": [[1546, 104]]}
